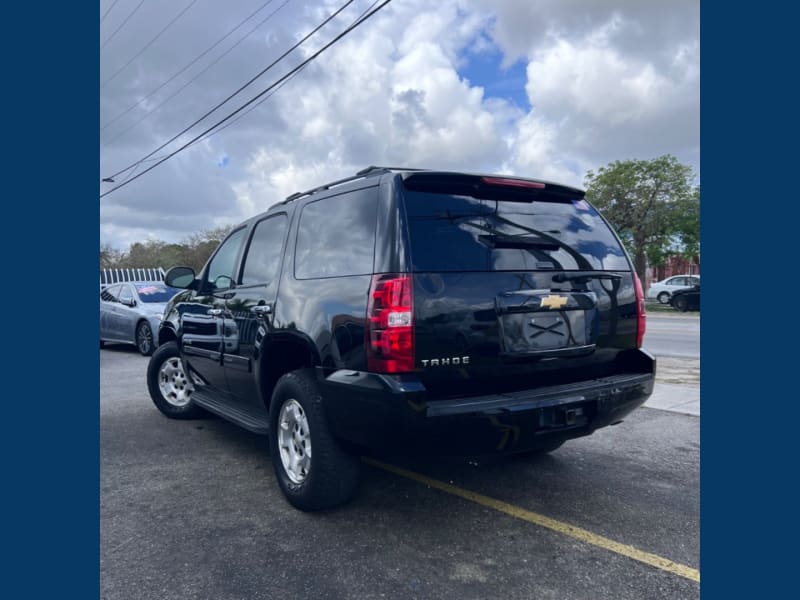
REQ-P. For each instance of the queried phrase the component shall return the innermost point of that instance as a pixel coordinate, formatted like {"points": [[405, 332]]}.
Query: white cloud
{"points": [[607, 80]]}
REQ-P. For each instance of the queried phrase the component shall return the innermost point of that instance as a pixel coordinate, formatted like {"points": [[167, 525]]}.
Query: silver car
{"points": [[131, 312]]}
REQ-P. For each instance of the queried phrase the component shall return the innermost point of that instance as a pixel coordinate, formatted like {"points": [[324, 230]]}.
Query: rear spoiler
{"points": [[490, 187]]}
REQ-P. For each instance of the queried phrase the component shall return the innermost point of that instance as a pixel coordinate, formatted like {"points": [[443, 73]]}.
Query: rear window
{"points": [[336, 236], [450, 232]]}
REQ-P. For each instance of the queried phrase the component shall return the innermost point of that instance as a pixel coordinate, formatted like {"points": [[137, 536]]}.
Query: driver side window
{"points": [[125, 295], [224, 261]]}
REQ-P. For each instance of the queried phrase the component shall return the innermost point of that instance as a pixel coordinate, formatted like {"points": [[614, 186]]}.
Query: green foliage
{"points": [[653, 204], [193, 252]]}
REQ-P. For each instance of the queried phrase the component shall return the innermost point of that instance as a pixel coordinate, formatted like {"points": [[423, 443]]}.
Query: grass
{"points": [[666, 308]]}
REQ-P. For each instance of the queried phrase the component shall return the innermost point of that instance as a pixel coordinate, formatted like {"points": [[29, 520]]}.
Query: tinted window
{"points": [[224, 261], [462, 233], [110, 294], [154, 292], [336, 236], [264, 253]]}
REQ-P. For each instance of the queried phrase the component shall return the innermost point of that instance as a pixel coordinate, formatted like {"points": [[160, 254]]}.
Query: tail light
{"points": [[641, 318], [390, 324]]}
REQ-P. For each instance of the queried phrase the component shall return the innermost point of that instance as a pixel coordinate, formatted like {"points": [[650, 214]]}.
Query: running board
{"points": [[251, 418]]}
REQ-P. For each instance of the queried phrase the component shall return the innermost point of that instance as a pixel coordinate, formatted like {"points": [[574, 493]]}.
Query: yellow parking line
{"points": [[531, 517]]}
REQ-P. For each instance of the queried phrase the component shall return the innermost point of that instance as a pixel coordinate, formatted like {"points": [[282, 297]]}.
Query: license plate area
{"points": [[531, 326], [526, 332]]}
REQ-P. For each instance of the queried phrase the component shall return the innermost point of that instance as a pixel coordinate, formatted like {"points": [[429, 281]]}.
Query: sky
{"points": [[545, 89]]}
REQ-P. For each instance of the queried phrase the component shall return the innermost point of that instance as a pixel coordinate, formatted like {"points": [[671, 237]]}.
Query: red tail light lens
{"points": [[641, 318], [517, 183], [390, 324]]}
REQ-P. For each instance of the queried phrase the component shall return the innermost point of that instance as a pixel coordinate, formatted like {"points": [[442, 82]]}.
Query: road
{"points": [[190, 509], [673, 335]]}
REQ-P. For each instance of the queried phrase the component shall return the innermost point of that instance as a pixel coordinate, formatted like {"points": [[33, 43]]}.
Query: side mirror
{"points": [[223, 282], [180, 277], [128, 302]]}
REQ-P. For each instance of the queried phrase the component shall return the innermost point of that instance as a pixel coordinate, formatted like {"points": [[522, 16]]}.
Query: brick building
{"points": [[674, 265]]}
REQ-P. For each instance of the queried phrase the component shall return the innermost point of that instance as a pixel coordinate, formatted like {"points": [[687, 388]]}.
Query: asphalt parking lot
{"points": [[190, 509]]}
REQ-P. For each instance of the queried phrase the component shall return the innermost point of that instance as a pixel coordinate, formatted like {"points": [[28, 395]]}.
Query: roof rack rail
{"points": [[370, 171]]}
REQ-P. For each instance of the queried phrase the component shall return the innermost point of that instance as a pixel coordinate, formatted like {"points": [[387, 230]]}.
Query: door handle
{"points": [[261, 310], [214, 312]]}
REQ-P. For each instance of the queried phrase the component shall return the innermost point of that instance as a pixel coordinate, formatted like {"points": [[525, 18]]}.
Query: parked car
{"points": [[663, 290], [688, 299], [417, 310], [131, 312]]}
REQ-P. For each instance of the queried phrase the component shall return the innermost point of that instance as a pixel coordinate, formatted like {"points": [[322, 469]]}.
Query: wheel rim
{"points": [[663, 298], [144, 338], [175, 388], [294, 441]]}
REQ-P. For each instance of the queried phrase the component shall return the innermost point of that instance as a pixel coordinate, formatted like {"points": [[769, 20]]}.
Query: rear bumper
{"points": [[383, 411]]}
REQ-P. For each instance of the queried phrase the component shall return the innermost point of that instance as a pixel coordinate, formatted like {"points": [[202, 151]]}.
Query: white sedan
{"points": [[662, 290]]}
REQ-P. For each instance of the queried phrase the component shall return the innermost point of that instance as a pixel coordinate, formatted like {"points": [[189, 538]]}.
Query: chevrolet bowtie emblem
{"points": [[554, 302]]}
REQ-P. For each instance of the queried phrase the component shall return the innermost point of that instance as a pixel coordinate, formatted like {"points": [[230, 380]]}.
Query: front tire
{"points": [[144, 338], [312, 469], [663, 298], [169, 387]]}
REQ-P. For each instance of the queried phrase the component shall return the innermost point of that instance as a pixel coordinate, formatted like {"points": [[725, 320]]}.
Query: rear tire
{"points": [[312, 469], [663, 298], [681, 304], [169, 387], [144, 338]]}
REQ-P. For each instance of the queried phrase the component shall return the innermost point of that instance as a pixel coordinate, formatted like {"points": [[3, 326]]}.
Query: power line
{"points": [[199, 73], [347, 31], [109, 38], [108, 10], [259, 74], [188, 65], [273, 92], [150, 43], [311, 58]]}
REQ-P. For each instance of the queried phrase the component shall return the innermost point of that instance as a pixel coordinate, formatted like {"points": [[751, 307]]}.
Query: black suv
{"points": [[407, 309]]}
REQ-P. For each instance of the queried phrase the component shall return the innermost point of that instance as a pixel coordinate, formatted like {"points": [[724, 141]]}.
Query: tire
{"points": [[169, 387], [102, 344], [663, 297], [681, 304], [324, 477], [144, 339]]}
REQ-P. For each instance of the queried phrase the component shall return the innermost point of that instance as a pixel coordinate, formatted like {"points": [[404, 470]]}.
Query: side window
{"points": [[264, 253], [336, 236], [110, 294], [694, 281], [224, 261], [125, 294]]}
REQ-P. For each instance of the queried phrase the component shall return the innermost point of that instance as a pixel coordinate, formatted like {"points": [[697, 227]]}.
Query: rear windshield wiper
{"points": [[585, 276]]}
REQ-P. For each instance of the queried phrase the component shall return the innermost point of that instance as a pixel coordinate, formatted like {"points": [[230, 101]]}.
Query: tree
{"points": [[653, 204]]}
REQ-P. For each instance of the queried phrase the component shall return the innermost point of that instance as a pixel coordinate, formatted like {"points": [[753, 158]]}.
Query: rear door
{"points": [[108, 301], [512, 282]]}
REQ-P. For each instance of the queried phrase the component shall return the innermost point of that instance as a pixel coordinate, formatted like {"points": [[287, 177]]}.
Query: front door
{"points": [[250, 309], [202, 317]]}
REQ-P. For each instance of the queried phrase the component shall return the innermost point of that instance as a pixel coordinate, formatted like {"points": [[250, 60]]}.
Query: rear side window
{"points": [[450, 232], [336, 236], [110, 294], [264, 253]]}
